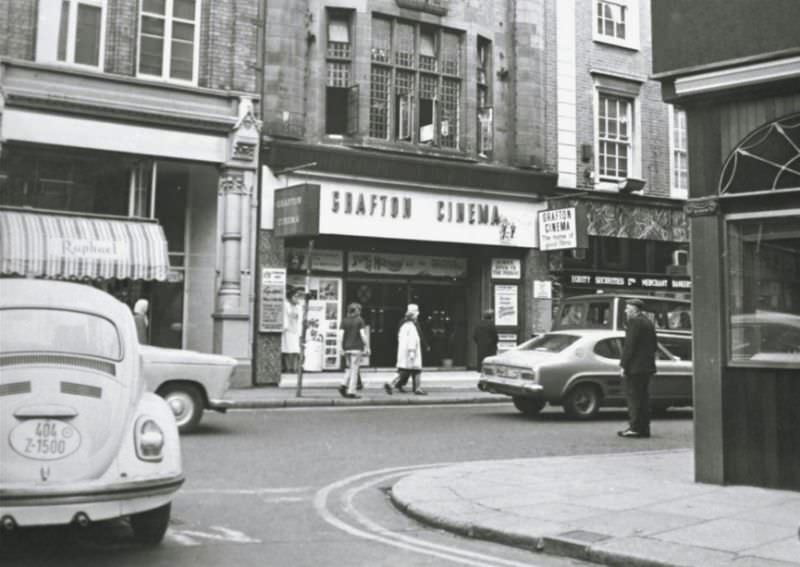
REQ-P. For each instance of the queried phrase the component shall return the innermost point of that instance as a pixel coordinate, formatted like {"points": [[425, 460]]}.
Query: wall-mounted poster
{"points": [[273, 295], [506, 341], [506, 269], [506, 305]]}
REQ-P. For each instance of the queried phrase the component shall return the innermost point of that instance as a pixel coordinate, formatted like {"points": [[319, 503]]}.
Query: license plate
{"points": [[505, 381], [45, 439]]}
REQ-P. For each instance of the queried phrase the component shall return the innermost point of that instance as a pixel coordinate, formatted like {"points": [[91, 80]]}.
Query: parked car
{"points": [[190, 381], [580, 371], [765, 336], [82, 439], [607, 311]]}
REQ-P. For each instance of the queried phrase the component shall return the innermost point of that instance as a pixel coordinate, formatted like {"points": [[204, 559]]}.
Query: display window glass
{"points": [[764, 291]]}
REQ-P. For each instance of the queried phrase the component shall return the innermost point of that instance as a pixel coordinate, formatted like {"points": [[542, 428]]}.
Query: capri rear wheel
{"points": [[186, 404]]}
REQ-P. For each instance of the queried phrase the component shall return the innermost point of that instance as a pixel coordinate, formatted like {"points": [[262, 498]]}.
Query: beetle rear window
{"points": [[57, 330], [548, 343]]}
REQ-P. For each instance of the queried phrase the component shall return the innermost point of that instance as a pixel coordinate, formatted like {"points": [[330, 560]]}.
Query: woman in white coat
{"points": [[409, 350]]}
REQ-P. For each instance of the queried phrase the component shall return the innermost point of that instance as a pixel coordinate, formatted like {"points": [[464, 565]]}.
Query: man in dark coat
{"points": [[638, 366], [485, 336]]}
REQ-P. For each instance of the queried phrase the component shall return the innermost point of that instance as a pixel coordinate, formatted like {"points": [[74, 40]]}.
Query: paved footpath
{"points": [[319, 389], [632, 509]]}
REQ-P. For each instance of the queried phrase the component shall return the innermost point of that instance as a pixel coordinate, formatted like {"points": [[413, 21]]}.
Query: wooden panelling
{"points": [[762, 427], [739, 119]]}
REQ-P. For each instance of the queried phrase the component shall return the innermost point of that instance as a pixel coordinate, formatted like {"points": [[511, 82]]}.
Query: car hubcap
{"points": [[181, 407]]}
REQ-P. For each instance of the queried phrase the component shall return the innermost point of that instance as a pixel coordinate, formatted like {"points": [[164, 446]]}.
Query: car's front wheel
{"points": [[149, 527], [582, 401], [528, 406], [186, 404]]}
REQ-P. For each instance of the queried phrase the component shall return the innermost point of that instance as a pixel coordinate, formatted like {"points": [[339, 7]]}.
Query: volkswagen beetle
{"points": [[81, 440]]}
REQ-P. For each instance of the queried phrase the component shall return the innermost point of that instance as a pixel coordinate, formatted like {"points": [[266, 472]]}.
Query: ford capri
{"points": [[81, 440], [579, 370]]}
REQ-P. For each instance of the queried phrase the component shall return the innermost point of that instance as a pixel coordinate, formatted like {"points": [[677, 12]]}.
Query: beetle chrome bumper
{"points": [[54, 506]]}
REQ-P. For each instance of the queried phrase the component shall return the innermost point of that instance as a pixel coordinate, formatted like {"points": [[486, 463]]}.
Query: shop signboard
{"points": [[506, 269], [563, 229], [73, 249], [386, 212], [297, 210], [273, 297], [406, 265], [650, 282], [506, 305], [321, 260]]}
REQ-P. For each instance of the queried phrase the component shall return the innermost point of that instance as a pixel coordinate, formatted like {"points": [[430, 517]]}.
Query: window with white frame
{"points": [[415, 83], [72, 32], [168, 39], [614, 144], [617, 22], [679, 153]]}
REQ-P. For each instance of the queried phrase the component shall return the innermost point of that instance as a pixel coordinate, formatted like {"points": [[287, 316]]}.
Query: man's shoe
{"points": [[632, 434], [387, 388], [352, 396], [342, 390], [420, 392], [400, 388]]}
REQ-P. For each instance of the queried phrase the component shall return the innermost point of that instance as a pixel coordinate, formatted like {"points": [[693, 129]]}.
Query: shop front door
{"points": [[442, 319]]}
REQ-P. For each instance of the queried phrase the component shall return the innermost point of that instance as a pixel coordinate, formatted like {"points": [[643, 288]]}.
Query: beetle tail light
{"points": [[149, 440]]}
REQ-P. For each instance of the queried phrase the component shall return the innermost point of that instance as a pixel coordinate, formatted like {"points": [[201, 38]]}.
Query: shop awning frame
{"points": [[66, 246]]}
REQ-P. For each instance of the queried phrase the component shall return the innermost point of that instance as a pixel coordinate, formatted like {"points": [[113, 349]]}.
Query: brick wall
{"points": [[228, 39], [594, 56]]}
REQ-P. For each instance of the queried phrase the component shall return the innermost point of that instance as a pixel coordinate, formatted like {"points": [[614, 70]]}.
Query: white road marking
{"points": [[189, 538], [247, 491], [375, 532]]}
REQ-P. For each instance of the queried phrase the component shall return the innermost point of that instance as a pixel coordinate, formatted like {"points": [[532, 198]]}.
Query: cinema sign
{"points": [[338, 207]]}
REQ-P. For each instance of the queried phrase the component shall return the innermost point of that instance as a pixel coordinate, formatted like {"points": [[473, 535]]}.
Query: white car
{"points": [[190, 381], [81, 440]]}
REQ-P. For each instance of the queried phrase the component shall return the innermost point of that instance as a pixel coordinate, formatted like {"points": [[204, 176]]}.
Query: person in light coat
{"points": [[409, 351]]}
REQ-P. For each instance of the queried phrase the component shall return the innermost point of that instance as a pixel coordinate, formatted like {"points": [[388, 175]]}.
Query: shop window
{"points": [[169, 32], [341, 94], [613, 253], [764, 290], [679, 154], [415, 71], [71, 31], [78, 182], [617, 22]]}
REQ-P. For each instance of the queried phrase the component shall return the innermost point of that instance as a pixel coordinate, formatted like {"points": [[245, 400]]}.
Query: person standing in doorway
{"points": [[142, 321], [353, 345], [485, 337], [409, 353], [292, 324], [638, 364]]}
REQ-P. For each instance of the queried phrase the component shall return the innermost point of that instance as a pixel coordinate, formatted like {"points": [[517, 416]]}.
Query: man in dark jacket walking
{"points": [[638, 366], [485, 337]]}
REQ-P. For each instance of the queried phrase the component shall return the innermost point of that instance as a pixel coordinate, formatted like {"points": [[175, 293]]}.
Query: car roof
{"points": [[22, 292]]}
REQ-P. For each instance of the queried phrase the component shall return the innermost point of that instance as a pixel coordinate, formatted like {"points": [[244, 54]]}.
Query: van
{"points": [[607, 311]]}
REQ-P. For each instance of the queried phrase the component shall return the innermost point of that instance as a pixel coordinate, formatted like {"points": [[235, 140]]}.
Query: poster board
{"points": [[272, 300], [324, 317], [506, 305]]}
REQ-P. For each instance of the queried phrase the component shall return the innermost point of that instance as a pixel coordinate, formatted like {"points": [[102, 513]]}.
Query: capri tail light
{"points": [[148, 439]]}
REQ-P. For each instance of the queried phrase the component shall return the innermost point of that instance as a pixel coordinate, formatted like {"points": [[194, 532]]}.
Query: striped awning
{"points": [[75, 247]]}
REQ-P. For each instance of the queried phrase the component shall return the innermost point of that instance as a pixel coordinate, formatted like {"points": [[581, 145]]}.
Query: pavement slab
{"points": [[632, 509]]}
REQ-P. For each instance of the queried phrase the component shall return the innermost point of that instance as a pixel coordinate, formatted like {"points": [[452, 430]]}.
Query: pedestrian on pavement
{"points": [[409, 353], [142, 321], [485, 337], [638, 364], [292, 324], [353, 345]]}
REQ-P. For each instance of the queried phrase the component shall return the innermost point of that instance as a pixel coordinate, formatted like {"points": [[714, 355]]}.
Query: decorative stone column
{"points": [[237, 205]]}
